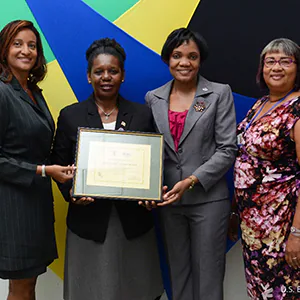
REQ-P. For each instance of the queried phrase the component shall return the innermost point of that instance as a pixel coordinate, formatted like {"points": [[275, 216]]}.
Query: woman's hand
{"points": [[233, 227], [176, 192], [59, 173], [153, 204], [292, 251], [81, 201]]}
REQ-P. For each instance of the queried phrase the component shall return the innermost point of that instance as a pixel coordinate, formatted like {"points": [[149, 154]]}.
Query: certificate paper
{"points": [[119, 165]]}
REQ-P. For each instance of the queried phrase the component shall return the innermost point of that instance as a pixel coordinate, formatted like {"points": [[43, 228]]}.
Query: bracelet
{"points": [[44, 171], [295, 231], [192, 182], [296, 234]]}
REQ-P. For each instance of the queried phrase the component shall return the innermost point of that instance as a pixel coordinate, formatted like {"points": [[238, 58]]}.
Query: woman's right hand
{"points": [[152, 204], [175, 193], [233, 227], [82, 200], [60, 173]]}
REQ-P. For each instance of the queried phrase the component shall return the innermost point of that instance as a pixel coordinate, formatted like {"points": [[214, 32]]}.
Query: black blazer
{"points": [[91, 221], [26, 204]]}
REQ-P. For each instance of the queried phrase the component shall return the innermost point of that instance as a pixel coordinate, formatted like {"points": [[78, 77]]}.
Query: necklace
{"points": [[261, 108], [280, 99], [26, 89], [274, 101], [107, 115]]}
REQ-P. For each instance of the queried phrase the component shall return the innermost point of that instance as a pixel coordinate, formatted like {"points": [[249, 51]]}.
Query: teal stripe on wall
{"points": [[16, 10], [111, 9]]}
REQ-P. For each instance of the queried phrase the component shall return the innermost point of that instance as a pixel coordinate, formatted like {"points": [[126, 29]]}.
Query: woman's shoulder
{"points": [[76, 107], [294, 105], [6, 92], [295, 100], [161, 91], [4, 86], [215, 87]]}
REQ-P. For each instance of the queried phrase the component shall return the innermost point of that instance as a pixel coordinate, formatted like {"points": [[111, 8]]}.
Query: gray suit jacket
{"points": [[207, 147]]}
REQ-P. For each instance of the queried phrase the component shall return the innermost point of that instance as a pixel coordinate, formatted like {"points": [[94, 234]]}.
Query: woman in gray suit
{"points": [[27, 240], [197, 118]]}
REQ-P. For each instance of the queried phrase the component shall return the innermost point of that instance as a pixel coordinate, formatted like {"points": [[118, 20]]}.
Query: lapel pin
{"points": [[123, 123], [199, 106], [205, 89]]}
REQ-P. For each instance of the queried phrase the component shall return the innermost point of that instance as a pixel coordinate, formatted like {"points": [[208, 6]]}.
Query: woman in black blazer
{"points": [[27, 239], [111, 250]]}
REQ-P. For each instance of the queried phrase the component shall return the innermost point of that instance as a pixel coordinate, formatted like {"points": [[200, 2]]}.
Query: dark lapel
{"points": [[160, 110], [93, 118], [21, 93], [203, 89], [41, 107], [124, 115]]}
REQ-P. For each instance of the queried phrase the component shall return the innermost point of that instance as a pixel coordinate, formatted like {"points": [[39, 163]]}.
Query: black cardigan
{"points": [[91, 221]]}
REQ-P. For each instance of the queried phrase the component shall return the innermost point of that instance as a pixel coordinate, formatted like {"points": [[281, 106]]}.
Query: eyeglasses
{"points": [[284, 62]]}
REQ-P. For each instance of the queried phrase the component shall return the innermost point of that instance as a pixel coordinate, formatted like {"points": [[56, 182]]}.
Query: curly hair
{"points": [[7, 36], [105, 46]]}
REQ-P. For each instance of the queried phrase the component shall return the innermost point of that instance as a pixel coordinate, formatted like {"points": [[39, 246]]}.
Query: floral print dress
{"points": [[266, 179]]}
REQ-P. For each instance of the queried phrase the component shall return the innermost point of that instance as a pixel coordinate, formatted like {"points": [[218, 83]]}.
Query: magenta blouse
{"points": [[176, 123]]}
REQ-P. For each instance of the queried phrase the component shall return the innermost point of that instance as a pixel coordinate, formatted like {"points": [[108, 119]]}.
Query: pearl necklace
{"points": [[107, 115]]}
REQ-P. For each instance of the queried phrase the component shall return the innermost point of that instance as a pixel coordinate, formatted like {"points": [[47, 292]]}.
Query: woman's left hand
{"points": [[152, 204], [292, 251], [176, 192]]}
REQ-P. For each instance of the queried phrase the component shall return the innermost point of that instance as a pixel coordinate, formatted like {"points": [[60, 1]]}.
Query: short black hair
{"points": [[178, 37], [288, 47], [105, 46]]}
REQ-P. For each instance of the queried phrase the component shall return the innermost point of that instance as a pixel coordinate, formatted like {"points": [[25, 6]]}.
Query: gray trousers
{"points": [[195, 238]]}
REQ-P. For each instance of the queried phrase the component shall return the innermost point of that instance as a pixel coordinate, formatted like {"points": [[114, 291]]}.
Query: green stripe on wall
{"points": [[17, 9], [111, 9]]}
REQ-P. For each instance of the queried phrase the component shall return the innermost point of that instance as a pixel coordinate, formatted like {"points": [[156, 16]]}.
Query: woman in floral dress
{"points": [[267, 178]]}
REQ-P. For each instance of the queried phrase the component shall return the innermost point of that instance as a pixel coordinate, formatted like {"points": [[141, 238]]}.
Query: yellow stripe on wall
{"points": [[58, 94], [56, 89], [150, 22]]}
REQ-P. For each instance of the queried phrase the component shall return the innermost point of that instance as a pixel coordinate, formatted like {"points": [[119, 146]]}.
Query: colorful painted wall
{"points": [[236, 34]]}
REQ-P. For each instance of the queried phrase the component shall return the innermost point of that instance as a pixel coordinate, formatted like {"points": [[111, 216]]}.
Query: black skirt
{"points": [[24, 274]]}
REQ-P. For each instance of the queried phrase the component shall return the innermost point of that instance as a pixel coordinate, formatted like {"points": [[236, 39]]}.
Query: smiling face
{"points": [[106, 76], [184, 62], [280, 79], [22, 53]]}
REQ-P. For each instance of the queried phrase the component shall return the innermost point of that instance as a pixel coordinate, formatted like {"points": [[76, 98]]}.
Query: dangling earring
{"points": [[89, 82], [123, 80]]}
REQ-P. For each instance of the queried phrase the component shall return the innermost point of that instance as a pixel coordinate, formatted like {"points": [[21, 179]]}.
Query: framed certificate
{"points": [[118, 165]]}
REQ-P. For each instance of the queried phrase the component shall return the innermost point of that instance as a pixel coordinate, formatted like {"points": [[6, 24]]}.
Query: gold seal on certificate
{"points": [[118, 165]]}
